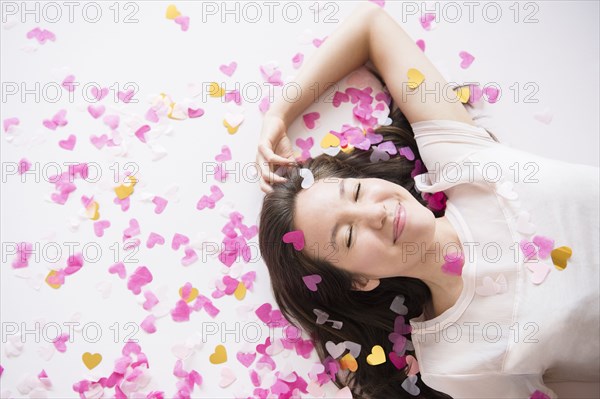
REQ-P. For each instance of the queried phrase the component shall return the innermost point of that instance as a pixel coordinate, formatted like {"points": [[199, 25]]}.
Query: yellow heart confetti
{"points": [[220, 355], [330, 140], [172, 12], [52, 273], [377, 356], [92, 211], [193, 294], [415, 78], [348, 362], [559, 257], [348, 149], [91, 360], [230, 129], [463, 93], [124, 191], [214, 90], [175, 113], [240, 291]]}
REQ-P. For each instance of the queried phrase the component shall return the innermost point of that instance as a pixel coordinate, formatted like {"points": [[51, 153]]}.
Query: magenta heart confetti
{"points": [[8, 122], [140, 277], [453, 263], [311, 281], [296, 238], [228, 69]]}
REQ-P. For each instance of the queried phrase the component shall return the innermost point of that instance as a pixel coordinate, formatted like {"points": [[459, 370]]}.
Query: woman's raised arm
{"points": [[370, 34], [345, 50]]}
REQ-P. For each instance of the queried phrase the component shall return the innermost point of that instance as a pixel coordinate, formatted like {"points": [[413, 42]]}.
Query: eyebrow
{"points": [[336, 226]]}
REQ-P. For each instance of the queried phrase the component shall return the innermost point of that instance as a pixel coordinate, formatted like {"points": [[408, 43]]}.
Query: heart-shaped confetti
{"points": [[228, 69], [560, 256], [540, 271], [377, 356], [398, 306], [335, 350], [311, 281], [172, 12], [69, 143], [490, 287], [466, 59], [219, 355], [91, 360], [410, 385], [453, 263], [348, 362], [296, 238], [415, 78]]}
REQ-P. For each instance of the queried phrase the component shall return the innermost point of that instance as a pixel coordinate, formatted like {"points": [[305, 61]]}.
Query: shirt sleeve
{"points": [[489, 386], [443, 141]]}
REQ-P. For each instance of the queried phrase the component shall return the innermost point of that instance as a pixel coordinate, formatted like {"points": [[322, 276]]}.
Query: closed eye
{"points": [[352, 228]]}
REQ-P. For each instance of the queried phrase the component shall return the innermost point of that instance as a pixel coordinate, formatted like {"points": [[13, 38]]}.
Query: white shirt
{"points": [[513, 336]]}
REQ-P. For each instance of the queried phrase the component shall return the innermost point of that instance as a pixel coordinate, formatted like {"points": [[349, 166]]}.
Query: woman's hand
{"points": [[274, 148]]}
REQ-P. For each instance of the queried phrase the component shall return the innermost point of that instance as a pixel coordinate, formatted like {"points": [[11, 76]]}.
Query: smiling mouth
{"points": [[399, 221]]}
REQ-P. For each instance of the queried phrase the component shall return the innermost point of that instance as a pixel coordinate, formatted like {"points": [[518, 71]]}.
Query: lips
{"points": [[399, 221]]}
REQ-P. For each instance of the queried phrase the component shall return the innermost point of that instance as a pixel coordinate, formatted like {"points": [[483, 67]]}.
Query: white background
{"points": [[555, 60]]}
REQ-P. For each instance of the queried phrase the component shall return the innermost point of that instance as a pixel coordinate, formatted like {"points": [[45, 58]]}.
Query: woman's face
{"points": [[350, 223]]}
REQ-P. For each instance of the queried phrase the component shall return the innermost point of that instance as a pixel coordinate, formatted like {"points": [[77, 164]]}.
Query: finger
{"points": [[271, 157], [265, 187]]}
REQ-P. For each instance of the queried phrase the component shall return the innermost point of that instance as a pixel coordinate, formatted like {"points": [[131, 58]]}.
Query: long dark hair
{"points": [[366, 315]]}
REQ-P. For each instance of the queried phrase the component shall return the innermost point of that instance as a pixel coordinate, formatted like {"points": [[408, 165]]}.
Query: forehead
{"points": [[315, 211]]}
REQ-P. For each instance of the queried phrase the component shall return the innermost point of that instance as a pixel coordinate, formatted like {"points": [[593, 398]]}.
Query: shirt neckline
{"points": [[452, 314]]}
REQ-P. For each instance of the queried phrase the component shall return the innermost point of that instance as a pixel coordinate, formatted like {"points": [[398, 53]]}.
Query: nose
{"points": [[375, 215]]}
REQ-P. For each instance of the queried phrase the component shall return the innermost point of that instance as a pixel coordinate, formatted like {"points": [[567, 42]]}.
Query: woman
{"points": [[497, 278]]}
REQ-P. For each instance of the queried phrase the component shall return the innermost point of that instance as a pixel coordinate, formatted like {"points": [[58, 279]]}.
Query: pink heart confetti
{"points": [[318, 42], [67, 83], [296, 238], [453, 263], [421, 44], [310, 119], [537, 394], [96, 110], [111, 121], [8, 122], [190, 257], [24, 166], [154, 239], [119, 269], [161, 204], [57, 120], [148, 324], [183, 21], [264, 104], [225, 154], [246, 358], [398, 361], [179, 240], [297, 60], [545, 245], [99, 141], [100, 226], [69, 143], [311, 281], [467, 59], [141, 133], [426, 20], [125, 96], [151, 300], [407, 152], [59, 342], [140, 277], [228, 69], [339, 98], [491, 93], [99, 94], [193, 113], [181, 312]]}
